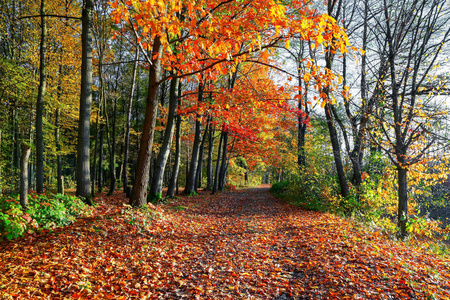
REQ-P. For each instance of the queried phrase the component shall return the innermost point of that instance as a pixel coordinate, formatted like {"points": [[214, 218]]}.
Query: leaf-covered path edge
{"points": [[234, 245]]}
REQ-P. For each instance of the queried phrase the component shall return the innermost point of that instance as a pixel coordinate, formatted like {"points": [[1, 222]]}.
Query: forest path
{"points": [[234, 245]]}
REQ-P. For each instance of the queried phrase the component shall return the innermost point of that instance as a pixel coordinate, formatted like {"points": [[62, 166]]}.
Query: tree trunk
{"points": [[164, 152], [173, 184], [128, 123], [301, 158], [209, 166], [83, 168], [112, 151], [100, 158], [59, 174], [336, 151], [223, 166], [15, 150], [139, 193], [40, 104], [190, 180], [198, 176], [216, 177], [402, 214], [94, 162], [26, 151]]}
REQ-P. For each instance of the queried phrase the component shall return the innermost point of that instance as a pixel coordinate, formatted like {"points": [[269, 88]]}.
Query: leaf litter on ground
{"points": [[233, 245]]}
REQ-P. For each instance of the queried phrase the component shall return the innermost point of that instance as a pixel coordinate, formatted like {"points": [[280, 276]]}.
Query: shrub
{"points": [[12, 223], [43, 212], [230, 187], [279, 187]]}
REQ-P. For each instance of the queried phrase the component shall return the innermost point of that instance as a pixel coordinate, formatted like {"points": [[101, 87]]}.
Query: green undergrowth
{"points": [[373, 207], [44, 212]]}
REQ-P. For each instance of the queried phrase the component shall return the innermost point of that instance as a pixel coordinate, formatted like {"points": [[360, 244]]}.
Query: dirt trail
{"points": [[234, 245]]}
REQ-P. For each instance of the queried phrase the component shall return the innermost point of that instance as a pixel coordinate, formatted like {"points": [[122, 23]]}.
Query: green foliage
{"points": [[310, 190], [279, 187], [12, 219], [44, 211], [154, 198], [48, 212]]}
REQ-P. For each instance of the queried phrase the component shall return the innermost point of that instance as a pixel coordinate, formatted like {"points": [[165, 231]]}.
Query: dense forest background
{"points": [[343, 103]]}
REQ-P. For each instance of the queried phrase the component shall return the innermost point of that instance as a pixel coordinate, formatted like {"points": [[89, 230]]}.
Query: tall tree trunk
{"points": [[164, 152], [336, 151], [139, 193], [40, 104], [402, 214], [112, 151], [173, 184], [223, 166], [190, 180], [301, 158], [26, 151], [216, 177], [31, 167], [198, 176], [209, 166], [59, 175], [100, 158], [94, 162], [83, 167], [16, 148], [330, 122], [128, 123]]}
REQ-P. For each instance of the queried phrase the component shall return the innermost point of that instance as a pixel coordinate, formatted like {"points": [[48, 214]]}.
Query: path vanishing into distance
{"points": [[234, 245]]}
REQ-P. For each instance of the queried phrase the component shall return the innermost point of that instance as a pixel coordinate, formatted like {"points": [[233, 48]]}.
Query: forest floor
{"points": [[234, 245]]}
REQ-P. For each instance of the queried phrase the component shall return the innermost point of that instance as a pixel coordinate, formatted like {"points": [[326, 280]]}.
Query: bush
{"points": [[12, 221], [43, 212], [279, 187]]}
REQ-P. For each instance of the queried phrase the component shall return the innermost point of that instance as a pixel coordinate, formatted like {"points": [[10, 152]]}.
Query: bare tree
{"points": [[414, 33]]}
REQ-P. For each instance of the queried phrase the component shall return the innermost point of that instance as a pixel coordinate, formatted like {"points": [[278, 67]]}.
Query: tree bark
{"points": [[40, 104], [301, 158], [402, 214], [164, 152], [26, 151], [216, 177], [112, 151], [173, 184], [198, 176], [128, 123], [59, 175], [15, 149], [139, 192], [223, 166], [190, 180], [83, 167], [100, 157], [336, 151], [209, 166], [94, 162]]}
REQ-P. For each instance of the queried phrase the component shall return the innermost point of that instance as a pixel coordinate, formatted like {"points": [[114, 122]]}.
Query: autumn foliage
{"points": [[236, 245]]}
